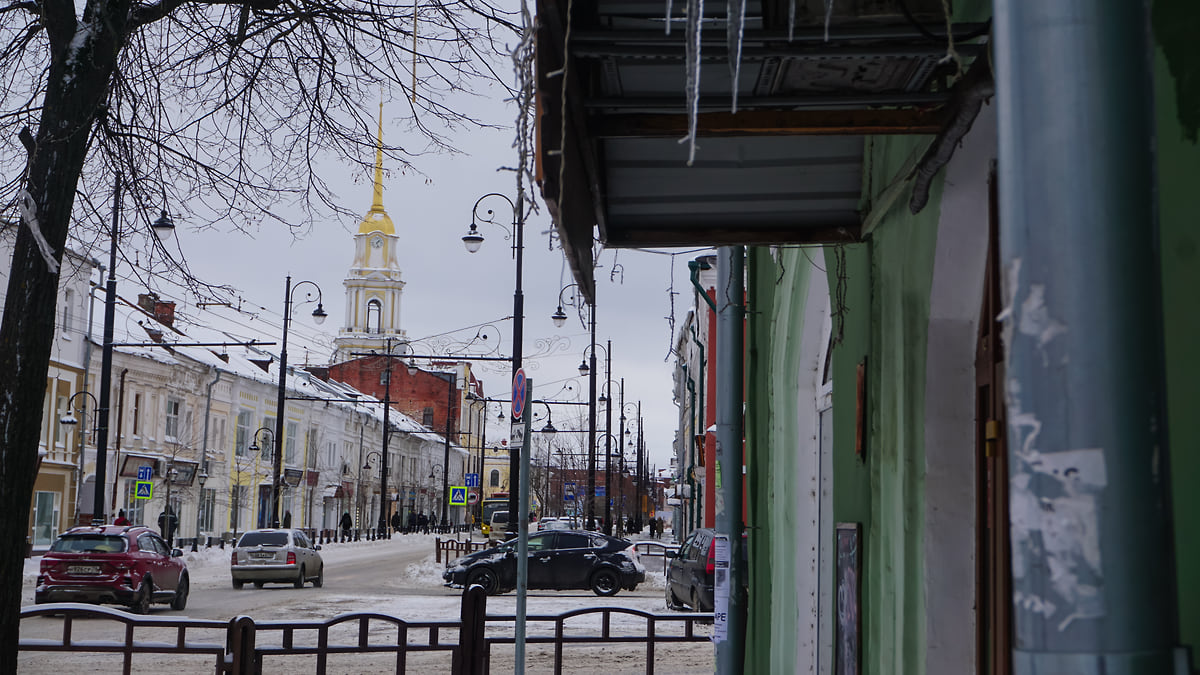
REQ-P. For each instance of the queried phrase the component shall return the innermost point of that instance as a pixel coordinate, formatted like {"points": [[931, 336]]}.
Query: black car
{"points": [[558, 560], [690, 572]]}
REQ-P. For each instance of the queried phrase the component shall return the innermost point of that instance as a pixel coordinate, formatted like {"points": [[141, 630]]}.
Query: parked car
{"points": [[558, 560], [276, 556], [690, 572], [553, 524], [113, 564]]}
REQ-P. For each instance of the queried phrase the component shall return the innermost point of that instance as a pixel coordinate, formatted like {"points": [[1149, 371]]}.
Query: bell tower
{"points": [[373, 283]]}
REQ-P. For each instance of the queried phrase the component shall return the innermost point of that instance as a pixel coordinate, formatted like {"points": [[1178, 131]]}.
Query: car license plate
{"points": [[262, 554], [83, 569]]}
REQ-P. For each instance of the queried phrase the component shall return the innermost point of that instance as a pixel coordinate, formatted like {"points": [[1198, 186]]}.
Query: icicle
{"points": [[791, 20], [828, 16], [667, 23], [735, 28], [695, 15]]}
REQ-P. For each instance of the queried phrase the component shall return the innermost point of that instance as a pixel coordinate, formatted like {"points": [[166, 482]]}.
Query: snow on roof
{"points": [[135, 330]]}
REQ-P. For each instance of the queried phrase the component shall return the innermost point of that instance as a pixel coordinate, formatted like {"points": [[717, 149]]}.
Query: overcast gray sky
{"points": [[448, 289]]}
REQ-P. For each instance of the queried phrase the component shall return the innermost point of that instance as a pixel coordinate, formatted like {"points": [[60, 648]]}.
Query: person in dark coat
{"points": [[412, 522], [167, 522], [287, 520], [347, 524], [395, 522]]}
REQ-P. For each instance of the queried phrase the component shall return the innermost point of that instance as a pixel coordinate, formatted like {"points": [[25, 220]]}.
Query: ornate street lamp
{"points": [[281, 402], [202, 479], [163, 229], [473, 240]]}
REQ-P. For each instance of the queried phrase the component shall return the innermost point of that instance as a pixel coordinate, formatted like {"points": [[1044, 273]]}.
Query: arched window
{"points": [[374, 317], [494, 478]]}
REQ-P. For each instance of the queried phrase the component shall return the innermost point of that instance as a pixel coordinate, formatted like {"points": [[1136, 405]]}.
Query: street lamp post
{"points": [[162, 228], [589, 369], [473, 240], [202, 479], [281, 402], [383, 499]]}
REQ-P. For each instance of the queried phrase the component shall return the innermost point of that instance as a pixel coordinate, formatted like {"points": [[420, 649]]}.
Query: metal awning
{"points": [[786, 168]]}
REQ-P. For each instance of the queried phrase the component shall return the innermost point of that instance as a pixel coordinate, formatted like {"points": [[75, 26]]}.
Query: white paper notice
{"points": [[720, 587]]}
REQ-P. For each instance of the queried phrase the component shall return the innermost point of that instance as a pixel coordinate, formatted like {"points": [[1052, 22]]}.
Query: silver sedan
{"points": [[276, 556]]}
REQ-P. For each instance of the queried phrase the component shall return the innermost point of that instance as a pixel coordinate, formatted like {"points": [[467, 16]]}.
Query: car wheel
{"points": [[179, 603], [605, 583], [141, 602], [674, 602], [320, 580], [299, 582], [238, 583], [486, 578]]}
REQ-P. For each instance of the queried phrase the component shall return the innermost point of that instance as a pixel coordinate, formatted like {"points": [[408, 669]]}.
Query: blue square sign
{"points": [[145, 473]]}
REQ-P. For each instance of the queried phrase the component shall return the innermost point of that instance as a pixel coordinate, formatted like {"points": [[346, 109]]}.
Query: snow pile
{"points": [[424, 573]]}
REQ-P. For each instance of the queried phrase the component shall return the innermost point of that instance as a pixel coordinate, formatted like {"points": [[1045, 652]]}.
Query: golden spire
{"points": [[377, 219]]}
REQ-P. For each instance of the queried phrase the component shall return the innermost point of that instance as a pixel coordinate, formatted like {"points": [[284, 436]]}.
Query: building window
{"points": [[311, 449], [208, 505], [45, 518], [68, 320], [59, 428], [137, 414], [427, 418], [494, 478], [238, 498], [134, 507], [266, 442], [173, 406], [374, 316], [242, 442], [289, 447]]}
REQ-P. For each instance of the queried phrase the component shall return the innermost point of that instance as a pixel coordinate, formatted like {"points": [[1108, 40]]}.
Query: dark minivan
{"points": [[690, 572]]}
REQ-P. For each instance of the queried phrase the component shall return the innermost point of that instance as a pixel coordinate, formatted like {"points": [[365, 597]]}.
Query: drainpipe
{"points": [[731, 651], [697, 511], [690, 513], [87, 365], [1092, 551], [117, 441], [204, 446]]}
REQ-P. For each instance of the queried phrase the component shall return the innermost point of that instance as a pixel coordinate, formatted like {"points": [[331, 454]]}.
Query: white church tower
{"points": [[373, 284]]}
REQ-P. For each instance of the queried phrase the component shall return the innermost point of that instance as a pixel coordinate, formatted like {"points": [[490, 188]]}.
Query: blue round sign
{"points": [[518, 394]]}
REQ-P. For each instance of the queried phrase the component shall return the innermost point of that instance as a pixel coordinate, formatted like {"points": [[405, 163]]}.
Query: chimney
{"points": [[164, 312]]}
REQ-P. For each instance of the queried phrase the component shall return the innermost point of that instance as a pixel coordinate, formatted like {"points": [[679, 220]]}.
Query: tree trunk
{"points": [[77, 86]]}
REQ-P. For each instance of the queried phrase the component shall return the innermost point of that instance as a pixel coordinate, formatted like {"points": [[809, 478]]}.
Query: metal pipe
{"points": [[730, 600], [1092, 557], [591, 504], [106, 357], [608, 491]]}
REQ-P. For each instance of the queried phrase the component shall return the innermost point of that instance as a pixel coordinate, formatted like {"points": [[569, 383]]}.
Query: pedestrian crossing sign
{"points": [[458, 495], [145, 489]]}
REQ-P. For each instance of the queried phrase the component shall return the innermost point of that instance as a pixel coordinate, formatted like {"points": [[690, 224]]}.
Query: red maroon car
{"points": [[113, 564]]}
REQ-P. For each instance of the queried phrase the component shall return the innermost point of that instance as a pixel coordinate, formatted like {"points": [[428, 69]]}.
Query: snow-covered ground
{"points": [[423, 598]]}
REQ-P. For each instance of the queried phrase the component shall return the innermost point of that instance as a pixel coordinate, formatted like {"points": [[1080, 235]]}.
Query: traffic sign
{"points": [[458, 495], [518, 394], [145, 489], [517, 440], [145, 472], [599, 490], [472, 480], [472, 497], [569, 492]]}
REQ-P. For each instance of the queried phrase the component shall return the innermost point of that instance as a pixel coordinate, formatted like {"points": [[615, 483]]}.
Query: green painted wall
{"points": [[887, 314], [774, 322], [1178, 73]]}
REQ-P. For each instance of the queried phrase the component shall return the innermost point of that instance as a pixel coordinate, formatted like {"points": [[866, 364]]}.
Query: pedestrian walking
{"points": [[347, 524], [395, 522], [412, 522], [287, 520], [167, 522], [121, 519], [423, 523]]}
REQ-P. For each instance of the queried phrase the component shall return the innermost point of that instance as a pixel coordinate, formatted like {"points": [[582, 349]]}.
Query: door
{"points": [[574, 560], [993, 560], [541, 560]]}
